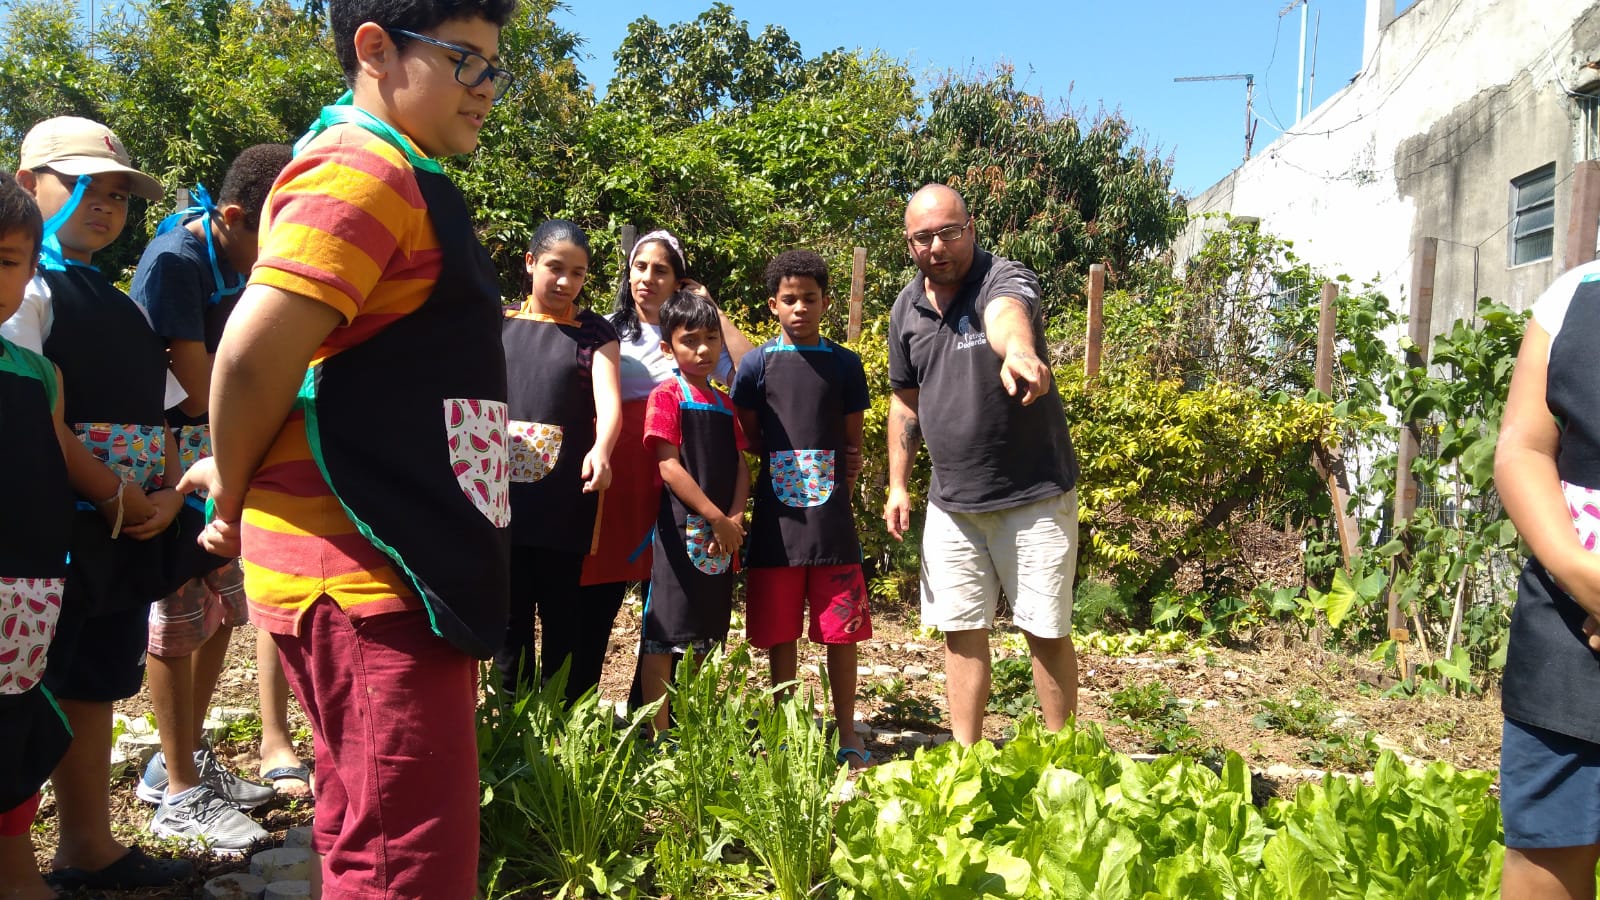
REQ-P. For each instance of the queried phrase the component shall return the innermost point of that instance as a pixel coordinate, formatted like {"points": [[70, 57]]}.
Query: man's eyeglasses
{"points": [[472, 69], [948, 234]]}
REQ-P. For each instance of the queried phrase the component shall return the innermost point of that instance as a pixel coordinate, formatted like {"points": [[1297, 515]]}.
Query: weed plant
{"points": [[1011, 691], [785, 813], [899, 705], [1307, 715], [564, 793]]}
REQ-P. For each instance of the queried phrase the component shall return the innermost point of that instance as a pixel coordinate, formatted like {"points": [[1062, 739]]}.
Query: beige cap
{"points": [[73, 146]]}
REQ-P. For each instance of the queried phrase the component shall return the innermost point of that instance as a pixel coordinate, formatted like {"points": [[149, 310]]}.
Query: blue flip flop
{"points": [[844, 754]]}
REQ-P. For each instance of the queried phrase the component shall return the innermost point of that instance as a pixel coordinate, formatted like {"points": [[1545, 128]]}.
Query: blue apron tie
{"points": [[205, 209], [51, 256]]}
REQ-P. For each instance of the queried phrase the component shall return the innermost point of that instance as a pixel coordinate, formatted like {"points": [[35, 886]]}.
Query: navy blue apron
{"points": [[691, 591], [802, 509], [1551, 674]]}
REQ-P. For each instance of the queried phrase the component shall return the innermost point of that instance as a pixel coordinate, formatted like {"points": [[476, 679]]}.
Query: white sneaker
{"points": [[200, 815]]}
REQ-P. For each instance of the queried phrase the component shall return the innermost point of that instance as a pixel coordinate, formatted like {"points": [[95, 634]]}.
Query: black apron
{"points": [[114, 374], [1551, 674], [552, 429], [409, 430], [34, 540], [192, 436], [802, 512], [691, 591]]}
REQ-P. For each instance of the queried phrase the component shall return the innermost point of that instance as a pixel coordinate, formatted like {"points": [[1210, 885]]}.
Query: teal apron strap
{"points": [[51, 256], [345, 112]]}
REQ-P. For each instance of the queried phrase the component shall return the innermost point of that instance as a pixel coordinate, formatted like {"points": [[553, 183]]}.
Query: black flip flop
{"points": [[296, 773], [135, 869]]}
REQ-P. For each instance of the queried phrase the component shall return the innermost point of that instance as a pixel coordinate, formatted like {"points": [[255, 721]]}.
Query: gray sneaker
{"points": [[230, 787], [203, 817]]}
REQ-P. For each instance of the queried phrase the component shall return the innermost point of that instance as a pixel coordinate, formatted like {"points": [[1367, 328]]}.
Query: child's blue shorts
{"points": [[1549, 788]]}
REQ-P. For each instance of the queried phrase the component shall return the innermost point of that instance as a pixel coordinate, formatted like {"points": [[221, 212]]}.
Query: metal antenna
{"points": [[1300, 81], [1249, 104]]}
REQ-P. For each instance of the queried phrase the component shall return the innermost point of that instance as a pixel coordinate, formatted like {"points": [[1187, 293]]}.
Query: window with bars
{"points": [[1533, 215]]}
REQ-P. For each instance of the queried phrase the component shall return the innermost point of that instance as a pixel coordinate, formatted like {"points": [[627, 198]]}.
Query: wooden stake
{"points": [[1583, 227], [1097, 322], [1424, 261], [630, 236], [858, 293], [1328, 460]]}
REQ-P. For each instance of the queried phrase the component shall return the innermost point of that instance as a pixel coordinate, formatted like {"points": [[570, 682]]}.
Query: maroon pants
{"points": [[392, 712]]}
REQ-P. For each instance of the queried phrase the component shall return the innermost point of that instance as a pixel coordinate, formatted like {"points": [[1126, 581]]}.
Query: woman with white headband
{"points": [[656, 270]]}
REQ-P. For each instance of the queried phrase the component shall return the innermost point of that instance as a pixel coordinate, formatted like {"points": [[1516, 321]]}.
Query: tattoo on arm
{"points": [[910, 431]]}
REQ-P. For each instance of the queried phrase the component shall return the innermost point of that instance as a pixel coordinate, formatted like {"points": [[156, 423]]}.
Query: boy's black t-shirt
{"points": [[989, 451], [174, 284]]}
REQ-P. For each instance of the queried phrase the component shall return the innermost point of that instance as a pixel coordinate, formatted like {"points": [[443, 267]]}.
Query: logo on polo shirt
{"points": [[969, 338]]}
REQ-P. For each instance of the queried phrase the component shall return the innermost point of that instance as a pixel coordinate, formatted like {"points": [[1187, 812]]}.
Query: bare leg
{"points": [[172, 697], [19, 874], [207, 664], [655, 671], [277, 744], [83, 790], [316, 875], [842, 686], [784, 661], [967, 670], [1557, 873], [1055, 677]]}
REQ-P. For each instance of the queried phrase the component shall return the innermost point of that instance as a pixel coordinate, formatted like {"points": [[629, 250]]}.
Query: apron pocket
{"points": [[194, 444], [29, 608], [697, 538], [802, 478], [137, 452], [476, 432], [1584, 506], [535, 447]]}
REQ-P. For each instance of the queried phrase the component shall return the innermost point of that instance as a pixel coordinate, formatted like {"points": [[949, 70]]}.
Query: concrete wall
{"points": [[1457, 98]]}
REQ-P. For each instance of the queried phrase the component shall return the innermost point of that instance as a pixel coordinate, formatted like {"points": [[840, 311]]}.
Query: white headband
{"points": [[664, 237]]}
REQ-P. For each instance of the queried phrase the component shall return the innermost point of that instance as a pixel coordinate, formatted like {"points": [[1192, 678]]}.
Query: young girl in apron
{"points": [[561, 365]]}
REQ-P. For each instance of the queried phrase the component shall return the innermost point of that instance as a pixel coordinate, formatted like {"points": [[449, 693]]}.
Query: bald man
{"points": [[967, 365]]}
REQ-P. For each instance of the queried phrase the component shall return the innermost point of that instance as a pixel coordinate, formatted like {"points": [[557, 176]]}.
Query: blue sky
{"points": [[1119, 55]]}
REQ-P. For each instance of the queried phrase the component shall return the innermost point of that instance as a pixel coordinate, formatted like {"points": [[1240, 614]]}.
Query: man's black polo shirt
{"points": [[989, 451]]}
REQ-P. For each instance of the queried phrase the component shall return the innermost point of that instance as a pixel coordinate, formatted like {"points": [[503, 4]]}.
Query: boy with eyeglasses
{"points": [[358, 415]]}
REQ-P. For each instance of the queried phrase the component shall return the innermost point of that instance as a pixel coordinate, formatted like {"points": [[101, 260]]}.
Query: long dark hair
{"points": [[551, 233], [624, 314]]}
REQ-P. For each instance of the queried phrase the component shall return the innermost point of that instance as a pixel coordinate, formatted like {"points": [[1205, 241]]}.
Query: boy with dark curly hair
{"points": [[800, 398]]}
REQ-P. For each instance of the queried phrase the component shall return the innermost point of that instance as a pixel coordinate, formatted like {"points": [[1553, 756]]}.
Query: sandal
{"points": [[844, 754], [133, 870], [301, 774]]}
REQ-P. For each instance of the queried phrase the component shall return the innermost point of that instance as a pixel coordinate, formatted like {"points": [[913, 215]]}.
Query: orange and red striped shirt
{"points": [[345, 225]]}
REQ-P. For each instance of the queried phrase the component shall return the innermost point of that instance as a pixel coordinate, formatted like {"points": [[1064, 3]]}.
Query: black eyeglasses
{"points": [[472, 69], [947, 234]]}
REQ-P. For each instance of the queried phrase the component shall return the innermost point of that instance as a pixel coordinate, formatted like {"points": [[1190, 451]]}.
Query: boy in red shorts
{"points": [[800, 399]]}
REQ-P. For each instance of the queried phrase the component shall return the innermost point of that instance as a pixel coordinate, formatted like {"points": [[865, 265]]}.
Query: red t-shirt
{"points": [[661, 415]]}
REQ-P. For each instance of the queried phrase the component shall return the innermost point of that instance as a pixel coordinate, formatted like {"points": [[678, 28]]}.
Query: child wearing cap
{"points": [[113, 379], [358, 420]]}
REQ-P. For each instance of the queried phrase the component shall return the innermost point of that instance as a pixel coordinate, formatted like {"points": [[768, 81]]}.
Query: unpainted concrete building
{"points": [[1471, 122]]}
